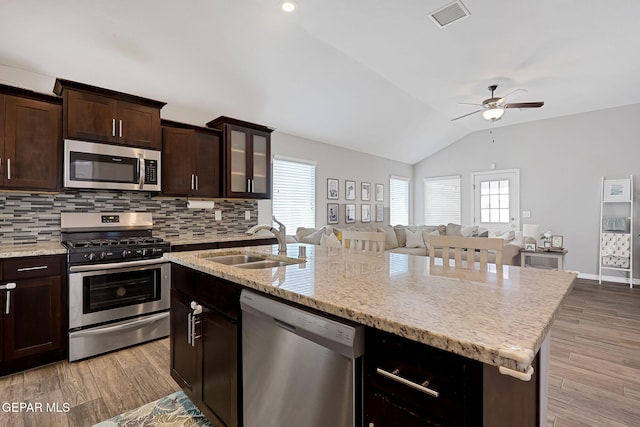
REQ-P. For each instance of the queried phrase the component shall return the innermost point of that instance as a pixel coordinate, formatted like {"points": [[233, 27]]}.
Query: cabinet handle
{"points": [[189, 328], [8, 168], [8, 287], [39, 267], [249, 185], [196, 182], [420, 387], [193, 181], [113, 127], [120, 128]]}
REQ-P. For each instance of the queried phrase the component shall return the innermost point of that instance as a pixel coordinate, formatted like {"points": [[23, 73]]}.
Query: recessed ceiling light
{"points": [[288, 5]]}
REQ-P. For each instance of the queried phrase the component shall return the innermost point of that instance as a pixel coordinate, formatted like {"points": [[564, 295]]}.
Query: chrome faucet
{"points": [[280, 233]]}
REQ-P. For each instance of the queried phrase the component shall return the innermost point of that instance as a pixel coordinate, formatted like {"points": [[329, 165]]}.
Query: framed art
{"points": [[332, 213], [365, 191], [557, 242], [332, 188], [617, 190], [350, 213], [349, 190], [379, 213], [366, 213], [379, 192]]}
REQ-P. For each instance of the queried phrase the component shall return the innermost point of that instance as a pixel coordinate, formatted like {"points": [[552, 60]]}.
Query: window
{"points": [[294, 193], [399, 204], [494, 201], [442, 200]]}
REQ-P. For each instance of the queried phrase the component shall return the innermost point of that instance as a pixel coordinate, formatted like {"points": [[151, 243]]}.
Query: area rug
{"points": [[175, 410]]}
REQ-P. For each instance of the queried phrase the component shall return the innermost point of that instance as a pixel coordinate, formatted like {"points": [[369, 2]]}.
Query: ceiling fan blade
{"points": [[524, 105], [513, 95], [470, 103], [465, 115]]}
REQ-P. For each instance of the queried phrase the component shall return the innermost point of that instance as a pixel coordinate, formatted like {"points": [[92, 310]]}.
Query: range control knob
{"points": [[90, 256], [103, 255], [126, 253]]}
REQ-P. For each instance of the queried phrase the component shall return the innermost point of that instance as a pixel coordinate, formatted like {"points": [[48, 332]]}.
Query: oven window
{"points": [[113, 290]]}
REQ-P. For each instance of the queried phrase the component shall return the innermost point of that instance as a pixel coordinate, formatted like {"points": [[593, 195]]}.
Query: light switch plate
{"points": [[526, 214], [247, 214], [217, 215]]}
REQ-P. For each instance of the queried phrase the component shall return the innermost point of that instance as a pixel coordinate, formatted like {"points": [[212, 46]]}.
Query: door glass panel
{"points": [[494, 201], [238, 161], [112, 290], [260, 163]]}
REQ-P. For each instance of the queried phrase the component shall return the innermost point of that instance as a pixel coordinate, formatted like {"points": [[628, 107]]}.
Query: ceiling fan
{"points": [[493, 108]]}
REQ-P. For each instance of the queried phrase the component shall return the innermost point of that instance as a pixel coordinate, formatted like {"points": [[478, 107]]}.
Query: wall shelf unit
{"points": [[616, 227]]}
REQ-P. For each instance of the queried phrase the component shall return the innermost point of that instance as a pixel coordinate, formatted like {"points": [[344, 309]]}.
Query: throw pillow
{"points": [[314, 238], [330, 240], [454, 229], [507, 236], [391, 241], [427, 234], [469, 230], [414, 239]]}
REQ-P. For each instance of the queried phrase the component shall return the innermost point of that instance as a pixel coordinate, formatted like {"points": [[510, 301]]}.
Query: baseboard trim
{"points": [[614, 279]]}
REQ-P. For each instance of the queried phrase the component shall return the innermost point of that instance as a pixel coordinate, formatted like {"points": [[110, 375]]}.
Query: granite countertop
{"points": [[31, 249], [498, 319]]}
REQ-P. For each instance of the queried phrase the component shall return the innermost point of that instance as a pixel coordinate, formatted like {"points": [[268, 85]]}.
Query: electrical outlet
{"points": [[247, 214], [526, 214], [217, 215]]}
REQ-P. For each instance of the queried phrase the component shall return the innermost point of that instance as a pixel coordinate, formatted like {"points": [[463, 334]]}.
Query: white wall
{"points": [[341, 164], [561, 163]]}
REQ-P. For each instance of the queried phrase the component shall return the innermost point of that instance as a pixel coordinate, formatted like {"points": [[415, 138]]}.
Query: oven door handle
{"points": [[129, 325], [116, 265]]}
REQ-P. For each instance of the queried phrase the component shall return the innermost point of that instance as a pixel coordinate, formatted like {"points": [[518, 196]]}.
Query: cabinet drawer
{"points": [[432, 383], [28, 267]]}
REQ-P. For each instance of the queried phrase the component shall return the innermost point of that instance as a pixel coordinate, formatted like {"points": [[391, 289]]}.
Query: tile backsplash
{"points": [[31, 218]]}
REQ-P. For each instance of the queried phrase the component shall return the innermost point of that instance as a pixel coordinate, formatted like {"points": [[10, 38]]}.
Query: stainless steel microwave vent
{"points": [[450, 13]]}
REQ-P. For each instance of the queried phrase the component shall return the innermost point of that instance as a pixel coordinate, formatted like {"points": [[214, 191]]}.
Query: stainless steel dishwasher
{"points": [[298, 368]]}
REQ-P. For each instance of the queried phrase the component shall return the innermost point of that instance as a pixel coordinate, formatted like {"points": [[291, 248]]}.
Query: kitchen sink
{"points": [[250, 261], [234, 259]]}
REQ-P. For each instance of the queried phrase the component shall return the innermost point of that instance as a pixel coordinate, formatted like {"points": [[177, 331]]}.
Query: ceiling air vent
{"points": [[449, 13]]}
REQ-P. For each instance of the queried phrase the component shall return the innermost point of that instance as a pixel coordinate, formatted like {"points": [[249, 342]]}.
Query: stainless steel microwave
{"points": [[110, 167]]}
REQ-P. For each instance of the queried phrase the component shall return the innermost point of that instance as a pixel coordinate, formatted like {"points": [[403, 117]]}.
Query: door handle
{"points": [[141, 167], [8, 287]]}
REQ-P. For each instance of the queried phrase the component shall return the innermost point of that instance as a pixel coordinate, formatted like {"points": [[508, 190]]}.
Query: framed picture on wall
{"points": [[379, 213], [333, 216], [365, 191], [349, 190], [350, 213], [366, 213], [332, 188], [379, 192]]}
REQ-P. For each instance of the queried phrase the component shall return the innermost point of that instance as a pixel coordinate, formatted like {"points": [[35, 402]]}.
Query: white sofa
{"points": [[414, 239]]}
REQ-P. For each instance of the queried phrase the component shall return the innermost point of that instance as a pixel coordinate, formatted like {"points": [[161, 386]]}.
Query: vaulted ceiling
{"points": [[376, 76]]}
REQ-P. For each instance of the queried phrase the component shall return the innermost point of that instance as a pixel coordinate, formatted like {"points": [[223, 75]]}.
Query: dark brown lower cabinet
{"points": [[204, 343], [33, 317]]}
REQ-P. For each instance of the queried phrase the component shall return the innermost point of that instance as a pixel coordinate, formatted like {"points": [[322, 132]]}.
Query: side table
{"points": [[557, 255]]}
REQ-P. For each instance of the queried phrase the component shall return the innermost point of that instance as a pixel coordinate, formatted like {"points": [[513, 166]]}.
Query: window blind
{"points": [[442, 200], [399, 204], [294, 193]]}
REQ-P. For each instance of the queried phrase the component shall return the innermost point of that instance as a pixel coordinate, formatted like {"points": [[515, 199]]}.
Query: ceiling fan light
{"points": [[288, 5], [493, 114]]}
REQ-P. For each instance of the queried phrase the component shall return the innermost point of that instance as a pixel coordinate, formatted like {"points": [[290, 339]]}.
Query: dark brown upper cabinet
{"points": [[30, 140], [246, 158], [103, 115], [191, 163]]}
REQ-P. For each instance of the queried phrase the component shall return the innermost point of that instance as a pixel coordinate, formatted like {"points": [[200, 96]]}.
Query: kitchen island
{"points": [[500, 319]]}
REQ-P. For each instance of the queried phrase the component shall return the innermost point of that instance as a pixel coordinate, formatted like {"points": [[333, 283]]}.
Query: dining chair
{"points": [[471, 245], [364, 241]]}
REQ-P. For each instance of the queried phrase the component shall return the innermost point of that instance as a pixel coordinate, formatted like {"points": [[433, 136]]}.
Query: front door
{"points": [[496, 199]]}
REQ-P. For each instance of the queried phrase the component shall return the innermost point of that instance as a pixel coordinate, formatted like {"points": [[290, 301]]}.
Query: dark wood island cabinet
{"points": [[30, 140], [205, 337]]}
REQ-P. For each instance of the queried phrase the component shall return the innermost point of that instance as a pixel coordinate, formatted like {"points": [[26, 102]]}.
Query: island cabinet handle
{"points": [[38, 267], [395, 377]]}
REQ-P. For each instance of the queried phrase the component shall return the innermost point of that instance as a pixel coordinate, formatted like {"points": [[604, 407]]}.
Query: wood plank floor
{"points": [[95, 389], [594, 371], [595, 357]]}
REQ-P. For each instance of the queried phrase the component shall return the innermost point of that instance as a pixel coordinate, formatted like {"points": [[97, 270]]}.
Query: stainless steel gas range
{"points": [[119, 284]]}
